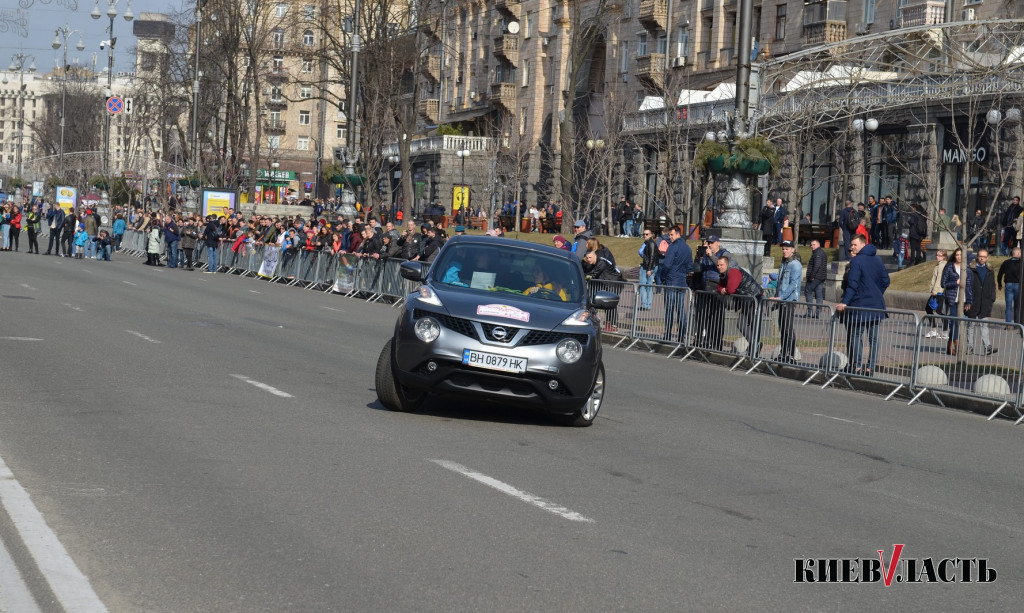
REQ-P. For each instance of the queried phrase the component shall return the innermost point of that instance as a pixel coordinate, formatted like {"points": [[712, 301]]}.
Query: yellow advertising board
{"points": [[460, 197], [67, 197]]}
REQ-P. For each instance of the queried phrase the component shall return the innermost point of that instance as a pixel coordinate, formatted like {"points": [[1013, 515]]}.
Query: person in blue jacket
{"points": [[863, 288], [675, 266], [120, 225], [790, 272]]}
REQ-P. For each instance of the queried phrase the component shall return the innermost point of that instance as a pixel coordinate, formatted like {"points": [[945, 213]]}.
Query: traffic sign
{"points": [[127, 106], [115, 105]]}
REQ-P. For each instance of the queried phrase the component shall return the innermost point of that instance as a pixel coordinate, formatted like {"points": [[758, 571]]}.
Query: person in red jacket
{"points": [[863, 231], [734, 281]]}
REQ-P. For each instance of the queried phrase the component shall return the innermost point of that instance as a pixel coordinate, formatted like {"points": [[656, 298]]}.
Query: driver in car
{"points": [[542, 285]]}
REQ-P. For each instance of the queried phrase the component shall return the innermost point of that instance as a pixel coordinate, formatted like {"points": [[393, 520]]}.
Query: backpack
{"points": [[748, 285], [852, 221], [921, 225]]}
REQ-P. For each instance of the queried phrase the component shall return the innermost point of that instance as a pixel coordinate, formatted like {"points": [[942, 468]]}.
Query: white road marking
{"points": [[15, 595], [69, 585], [19, 338], [505, 488], [27, 286], [332, 309], [72, 307], [252, 291], [142, 336], [840, 419], [263, 386], [128, 282]]}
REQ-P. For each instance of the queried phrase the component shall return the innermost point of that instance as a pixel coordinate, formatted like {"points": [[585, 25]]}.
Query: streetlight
{"points": [[865, 127], [60, 39], [463, 190], [109, 44], [18, 65]]}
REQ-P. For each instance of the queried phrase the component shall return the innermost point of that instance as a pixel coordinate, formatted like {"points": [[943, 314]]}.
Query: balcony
{"points": [[507, 46], [429, 109], [918, 13], [274, 126], [276, 73], [824, 22], [277, 102], [434, 67], [509, 6], [504, 94], [651, 69], [434, 144], [653, 14]]}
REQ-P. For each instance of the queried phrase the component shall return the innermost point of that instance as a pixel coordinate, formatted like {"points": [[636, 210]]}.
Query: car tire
{"points": [[389, 392], [587, 413]]}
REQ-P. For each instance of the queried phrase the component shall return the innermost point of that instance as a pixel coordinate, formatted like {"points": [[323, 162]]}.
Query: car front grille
{"points": [[510, 333], [545, 337]]}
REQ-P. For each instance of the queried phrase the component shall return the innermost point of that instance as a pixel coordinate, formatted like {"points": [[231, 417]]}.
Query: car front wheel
{"points": [[587, 413], [389, 391]]}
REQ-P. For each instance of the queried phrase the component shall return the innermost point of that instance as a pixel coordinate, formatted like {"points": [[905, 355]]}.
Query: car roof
{"points": [[513, 243]]}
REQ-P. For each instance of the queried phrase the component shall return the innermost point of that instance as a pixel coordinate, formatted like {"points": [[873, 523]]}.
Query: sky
{"points": [[40, 18]]}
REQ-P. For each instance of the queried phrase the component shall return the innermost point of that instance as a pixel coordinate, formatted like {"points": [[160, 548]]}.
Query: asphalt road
{"points": [[210, 443]]}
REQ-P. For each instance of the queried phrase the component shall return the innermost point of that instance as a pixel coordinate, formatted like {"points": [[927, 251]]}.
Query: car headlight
{"points": [[428, 296], [569, 350], [580, 318], [427, 329]]}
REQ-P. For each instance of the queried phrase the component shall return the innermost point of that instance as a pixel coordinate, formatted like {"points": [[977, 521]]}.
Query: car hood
{"points": [[504, 308]]}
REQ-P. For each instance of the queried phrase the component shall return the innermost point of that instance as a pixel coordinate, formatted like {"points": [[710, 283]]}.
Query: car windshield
{"points": [[500, 268]]}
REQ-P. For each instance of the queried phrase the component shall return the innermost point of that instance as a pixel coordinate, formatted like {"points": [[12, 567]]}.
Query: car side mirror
{"points": [[604, 300], [414, 271]]}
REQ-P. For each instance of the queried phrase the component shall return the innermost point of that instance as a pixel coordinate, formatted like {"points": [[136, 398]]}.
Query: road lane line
{"points": [[841, 419], [263, 386], [252, 291], [129, 283], [15, 595], [27, 286], [72, 307], [332, 309], [505, 488], [142, 336], [19, 338], [69, 585]]}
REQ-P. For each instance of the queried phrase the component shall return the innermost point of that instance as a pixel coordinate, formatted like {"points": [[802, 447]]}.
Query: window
{"points": [[340, 132], [275, 118], [526, 72], [307, 38], [302, 144], [624, 56], [527, 22], [281, 10], [780, 22], [274, 141], [278, 38], [641, 44], [627, 8], [306, 92], [307, 65], [663, 44], [278, 63], [869, 11], [683, 42], [275, 93], [303, 118], [309, 11]]}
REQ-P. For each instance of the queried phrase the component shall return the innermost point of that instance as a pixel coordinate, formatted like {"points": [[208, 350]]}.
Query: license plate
{"points": [[493, 361]]}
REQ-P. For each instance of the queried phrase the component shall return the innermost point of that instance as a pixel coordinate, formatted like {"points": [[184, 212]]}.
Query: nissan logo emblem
{"points": [[499, 333]]}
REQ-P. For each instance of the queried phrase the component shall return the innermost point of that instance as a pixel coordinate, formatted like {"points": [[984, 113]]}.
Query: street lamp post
{"points": [[18, 61], [463, 190], [60, 39], [865, 128], [110, 43]]}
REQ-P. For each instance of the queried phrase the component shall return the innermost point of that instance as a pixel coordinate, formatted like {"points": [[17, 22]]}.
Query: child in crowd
{"points": [[103, 246], [80, 239], [901, 250]]}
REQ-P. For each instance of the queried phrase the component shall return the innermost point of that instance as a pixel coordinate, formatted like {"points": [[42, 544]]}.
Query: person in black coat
{"points": [[767, 225], [984, 281]]}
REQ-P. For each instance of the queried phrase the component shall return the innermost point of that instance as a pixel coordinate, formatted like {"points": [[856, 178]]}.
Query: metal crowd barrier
{"points": [[796, 334], [875, 343], [728, 325], [621, 320], [651, 317], [985, 361]]}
